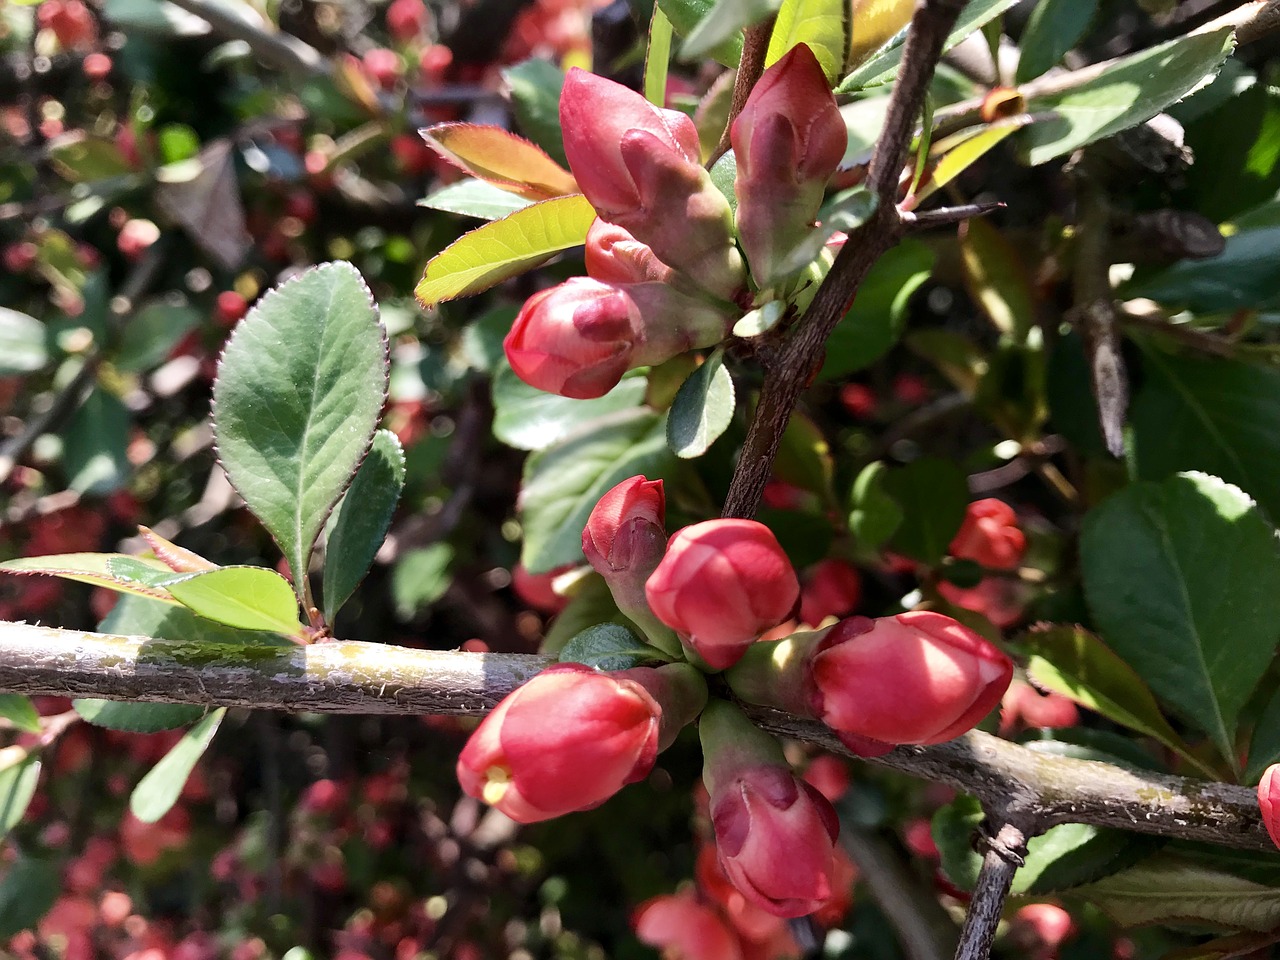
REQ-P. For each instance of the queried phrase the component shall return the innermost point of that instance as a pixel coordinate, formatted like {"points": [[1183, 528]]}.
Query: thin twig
{"points": [[949, 216], [755, 44], [802, 352], [281, 50], [1004, 854], [376, 678]]}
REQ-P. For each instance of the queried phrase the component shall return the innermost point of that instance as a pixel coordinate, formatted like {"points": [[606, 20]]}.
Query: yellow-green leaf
{"points": [[109, 570], [819, 23], [961, 151], [505, 248], [502, 158]]}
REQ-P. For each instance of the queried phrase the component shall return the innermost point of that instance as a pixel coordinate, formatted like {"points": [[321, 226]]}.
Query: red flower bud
{"points": [[614, 256], [775, 834], [990, 536], [918, 677], [788, 141], [640, 166], [626, 527], [721, 585], [406, 19], [684, 928], [1269, 801], [831, 589], [567, 740], [578, 339]]}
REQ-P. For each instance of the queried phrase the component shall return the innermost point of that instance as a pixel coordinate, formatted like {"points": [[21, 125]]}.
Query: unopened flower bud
{"points": [[683, 927], [721, 585], [990, 535], [788, 141], [1269, 801], [640, 167]]}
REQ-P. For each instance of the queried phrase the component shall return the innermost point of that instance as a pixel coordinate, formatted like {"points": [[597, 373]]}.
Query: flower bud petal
{"points": [[721, 585], [567, 740], [918, 677], [1269, 801], [614, 256], [683, 927]]}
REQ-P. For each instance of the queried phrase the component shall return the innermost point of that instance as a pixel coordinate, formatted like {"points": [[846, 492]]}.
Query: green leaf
{"points": [[591, 604], [702, 410], [19, 711], [1062, 857], [474, 198], [22, 343], [1073, 662], [1167, 888], [1236, 146], [1214, 415], [527, 418], [563, 483], [152, 333], [249, 598], [997, 278], [94, 442], [169, 622], [158, 791], [878, 315], [96, 569], [535, 100], [1201, 623], [804, 458], [685, 15], [884, 65], [874, 515], [28, 889], [420, 578], [608, 646], [724, 173], [805, 536], [1129, 91], [933, 496], [504, 248], [845, 212], [657, 58], [1264, 747], [818, 23], [1239, 278], [136, 717], [1054, 28], [959, 152], [299, 392], [362, 520], [17, 787]]}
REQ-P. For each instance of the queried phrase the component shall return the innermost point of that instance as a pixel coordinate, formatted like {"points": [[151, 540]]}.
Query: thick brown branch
{"points": [[755, 45], [802, 353], [369, 678]]}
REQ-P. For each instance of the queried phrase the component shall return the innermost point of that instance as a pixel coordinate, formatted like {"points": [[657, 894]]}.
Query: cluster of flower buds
{"points": [[572, 736], [665, 273]]}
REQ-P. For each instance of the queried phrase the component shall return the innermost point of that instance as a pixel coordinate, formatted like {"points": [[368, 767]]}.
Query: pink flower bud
{"points": [[831, 589], [685, 928], [578, 339], [775, 834], [1269, 801], [614, 256], [640, 166], [626, 527], [788, 141], [990, 536], [567, 740], [721, 585], [918, 677]]}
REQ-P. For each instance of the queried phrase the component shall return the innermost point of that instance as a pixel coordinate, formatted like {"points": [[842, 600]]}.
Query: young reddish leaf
{"points": [[501, 158], [504, 248], [176, 558], [96, 569]]}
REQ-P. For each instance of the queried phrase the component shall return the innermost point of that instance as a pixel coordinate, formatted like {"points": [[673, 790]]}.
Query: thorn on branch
{"points": [[946, 216]]}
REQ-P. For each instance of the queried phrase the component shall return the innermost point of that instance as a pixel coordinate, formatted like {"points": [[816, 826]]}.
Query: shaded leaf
{"points": [[19, 711], [249, 598], [152, 333], [874, 515], [608, 646], [22, 343], [17, 787], [1130, 91], [170, 622], [94, 442], [299, 392], [1055, 26], [535, 100], [563, 483], [474, 198], [28, 890], [804, 457], [501, 158], [207, 204], [817, 23], [527, 418], [702, 410], [933, 496], [997, 279], [362, 520], [420, 578], [1264, 746], [158, 791], [591, 604], [1200, 625], [1239, 278], [504, 248], [135, 717]]}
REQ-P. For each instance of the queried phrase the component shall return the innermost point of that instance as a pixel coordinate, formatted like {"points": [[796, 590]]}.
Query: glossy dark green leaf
{"points": [[17, 787], [94, 442], [874, 515], [563, 483], [685, 15], [535, 100], [933, 495], [152, 333], [1054, 28], [878, 315], [1239, 278], [362, 520], [1264, 746], [527, 418], [137, 717], [608, 646], [158, 791], [28, 889], [702, 410], [299, 392], [1201, 623]]}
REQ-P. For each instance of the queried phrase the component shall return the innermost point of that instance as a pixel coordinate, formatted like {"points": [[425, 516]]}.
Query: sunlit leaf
{"points": [[817, 23], [250, 598], [95, 569], [500, 157], [702, 410], [158, 791]]}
